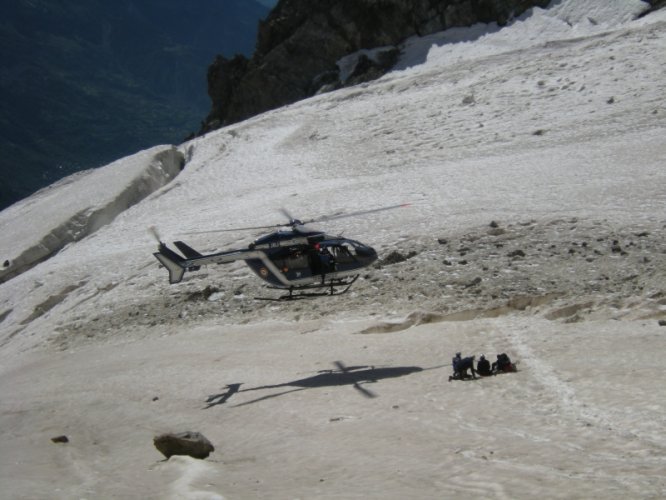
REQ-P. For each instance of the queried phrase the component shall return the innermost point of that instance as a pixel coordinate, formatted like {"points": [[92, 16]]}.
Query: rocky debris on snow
{"points": [[60, 439], [561, 263], [616, 248], [395, 257], [495, 229], [474, 282], [193, 444], [204, 294]]}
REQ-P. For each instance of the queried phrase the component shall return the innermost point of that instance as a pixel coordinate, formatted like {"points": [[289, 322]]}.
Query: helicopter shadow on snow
{"points": [[356, 376]]}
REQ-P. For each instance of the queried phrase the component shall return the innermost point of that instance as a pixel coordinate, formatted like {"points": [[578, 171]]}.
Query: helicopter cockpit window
{"points": [[343, 253], [361, 249]]}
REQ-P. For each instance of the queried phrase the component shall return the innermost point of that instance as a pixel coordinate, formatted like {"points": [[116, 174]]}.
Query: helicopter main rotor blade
{"points": [[291, 222], [254, 228], [299, 225], [356, 214], [287, 214]]}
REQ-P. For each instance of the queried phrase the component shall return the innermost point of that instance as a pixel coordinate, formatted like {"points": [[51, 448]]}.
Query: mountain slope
{"points": [[559, 142]]}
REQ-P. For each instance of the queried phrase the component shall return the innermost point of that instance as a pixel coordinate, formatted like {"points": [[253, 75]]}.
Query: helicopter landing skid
{"points": [[331, 285]]}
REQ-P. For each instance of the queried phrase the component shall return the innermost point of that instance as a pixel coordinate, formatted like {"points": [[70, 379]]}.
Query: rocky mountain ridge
{"points": [[300, 43]]}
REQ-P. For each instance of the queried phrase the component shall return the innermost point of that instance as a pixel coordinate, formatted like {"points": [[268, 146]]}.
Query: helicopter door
{"points": [[322, 261], [294, 265]]}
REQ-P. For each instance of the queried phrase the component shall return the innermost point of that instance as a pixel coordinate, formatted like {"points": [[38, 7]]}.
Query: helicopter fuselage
{"points": [[284, 259]]}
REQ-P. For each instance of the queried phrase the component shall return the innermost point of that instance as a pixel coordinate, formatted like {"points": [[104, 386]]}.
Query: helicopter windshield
{"points": [[347, 250]]}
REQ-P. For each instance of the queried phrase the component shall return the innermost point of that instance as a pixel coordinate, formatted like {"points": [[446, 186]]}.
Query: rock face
{"points": [[193, 444], [301, 41], [655, 5]]}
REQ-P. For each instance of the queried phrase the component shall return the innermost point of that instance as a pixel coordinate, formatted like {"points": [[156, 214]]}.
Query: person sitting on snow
{"points": [[483, 367], [503, 364], [460, 367]]}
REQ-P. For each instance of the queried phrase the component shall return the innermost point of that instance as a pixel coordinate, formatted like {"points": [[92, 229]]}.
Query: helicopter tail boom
{"points": [[187, 250], [193, 260]]}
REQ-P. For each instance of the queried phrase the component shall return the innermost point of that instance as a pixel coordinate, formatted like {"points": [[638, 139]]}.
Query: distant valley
{"points": [[86, 82]]}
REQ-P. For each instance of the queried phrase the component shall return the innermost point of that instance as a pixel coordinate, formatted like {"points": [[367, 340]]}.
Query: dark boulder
{"points": [[193, 444], [395, 257]]}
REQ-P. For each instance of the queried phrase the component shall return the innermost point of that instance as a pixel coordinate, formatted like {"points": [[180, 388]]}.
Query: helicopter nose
{"points": [[369, 254]]}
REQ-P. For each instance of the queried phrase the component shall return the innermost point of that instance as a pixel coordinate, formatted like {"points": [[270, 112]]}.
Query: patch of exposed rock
{"points": [[655, 5]]}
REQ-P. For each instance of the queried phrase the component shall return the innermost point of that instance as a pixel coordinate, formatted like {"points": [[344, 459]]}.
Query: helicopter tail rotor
{"points": [[155, 234], [168, 258]]}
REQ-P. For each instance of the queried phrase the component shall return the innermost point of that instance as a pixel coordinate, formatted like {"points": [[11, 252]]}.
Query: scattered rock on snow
{"points": [[616, 248], [474, 282], [204, 294], [60, 439], [396, 257], [189, 443]]}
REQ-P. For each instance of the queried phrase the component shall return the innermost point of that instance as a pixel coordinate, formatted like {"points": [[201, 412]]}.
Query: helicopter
{"points": [[303, 261]]}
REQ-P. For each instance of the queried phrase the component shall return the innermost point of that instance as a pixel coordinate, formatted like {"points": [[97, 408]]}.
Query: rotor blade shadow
{"points": [[367, 393]]}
